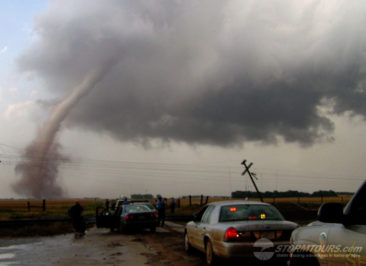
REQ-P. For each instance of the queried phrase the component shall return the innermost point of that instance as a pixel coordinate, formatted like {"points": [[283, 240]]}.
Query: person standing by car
{"points": [[77, 219], [172, 205], [107, 204], [160, 206], [125, 201]]}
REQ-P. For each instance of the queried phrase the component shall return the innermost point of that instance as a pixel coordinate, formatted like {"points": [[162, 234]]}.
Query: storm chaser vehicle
{"points": [[337, 238], [125, 215]]}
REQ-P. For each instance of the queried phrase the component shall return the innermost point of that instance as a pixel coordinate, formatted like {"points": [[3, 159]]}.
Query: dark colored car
{"points": [[138, 216], [134, 215]]}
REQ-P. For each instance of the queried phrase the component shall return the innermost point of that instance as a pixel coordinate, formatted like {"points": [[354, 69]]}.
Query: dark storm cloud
{"points": [[213, 72]]}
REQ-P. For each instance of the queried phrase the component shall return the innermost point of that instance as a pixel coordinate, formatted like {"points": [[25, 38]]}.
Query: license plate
{"points": [[268, 234]]}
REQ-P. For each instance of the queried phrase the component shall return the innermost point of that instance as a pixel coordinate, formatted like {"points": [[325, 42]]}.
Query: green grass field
{"points": [[18, 209]]}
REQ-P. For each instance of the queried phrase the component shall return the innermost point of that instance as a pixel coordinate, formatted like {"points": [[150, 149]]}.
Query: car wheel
{"points": [[210, 256], [187, 245]]}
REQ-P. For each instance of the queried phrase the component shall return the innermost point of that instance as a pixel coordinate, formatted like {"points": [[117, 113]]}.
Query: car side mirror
{"points": [[331, 213]]}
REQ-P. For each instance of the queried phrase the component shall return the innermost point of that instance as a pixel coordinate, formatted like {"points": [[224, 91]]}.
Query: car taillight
{"points": [[231, 234], [129, 217]]}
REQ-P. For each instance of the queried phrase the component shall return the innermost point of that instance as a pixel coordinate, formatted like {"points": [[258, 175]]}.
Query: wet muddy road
{"points": [[99, 247]]}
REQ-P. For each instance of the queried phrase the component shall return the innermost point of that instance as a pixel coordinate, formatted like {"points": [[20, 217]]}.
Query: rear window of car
{"points": [[147, 204], [136, 208], [243, 212], [150, 206]]}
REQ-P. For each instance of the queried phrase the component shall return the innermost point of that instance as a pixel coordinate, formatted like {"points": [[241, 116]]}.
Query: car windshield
{"points": [[132, 208], [243, 212]]}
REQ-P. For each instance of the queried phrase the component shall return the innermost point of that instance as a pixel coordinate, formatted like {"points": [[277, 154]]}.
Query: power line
{"points": [[177, 167]]}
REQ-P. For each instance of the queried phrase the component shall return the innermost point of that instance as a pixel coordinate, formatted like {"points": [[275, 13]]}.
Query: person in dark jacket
{"points": [[77, 219], [107, 204], [160, 205], [172, 205]]}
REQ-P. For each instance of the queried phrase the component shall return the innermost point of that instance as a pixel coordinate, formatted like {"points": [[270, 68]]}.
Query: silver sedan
{"points": [[235, 229]]}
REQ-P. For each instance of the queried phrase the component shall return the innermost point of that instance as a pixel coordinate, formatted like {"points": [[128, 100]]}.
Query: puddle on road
{"points": [[7, 256], [97, 248], [21, 251], [6, 259]]}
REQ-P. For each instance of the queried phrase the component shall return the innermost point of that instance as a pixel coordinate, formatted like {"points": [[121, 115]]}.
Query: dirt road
{"points": [[99, 247]]}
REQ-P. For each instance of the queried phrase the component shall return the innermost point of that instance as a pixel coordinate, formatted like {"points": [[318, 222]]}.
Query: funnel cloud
{"points": [[39, 167]]}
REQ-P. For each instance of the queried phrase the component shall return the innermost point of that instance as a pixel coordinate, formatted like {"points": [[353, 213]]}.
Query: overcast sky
{"points": [[189, 89]]}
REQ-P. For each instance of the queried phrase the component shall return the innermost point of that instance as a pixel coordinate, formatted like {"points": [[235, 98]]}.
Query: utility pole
{"points": [[251, 177]]}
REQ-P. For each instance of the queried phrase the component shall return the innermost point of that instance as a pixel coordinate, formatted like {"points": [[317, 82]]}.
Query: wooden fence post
{"points": [[201, 201], [28, 206], [190, 201], [178, 202], [206, 199], [44, 205]]}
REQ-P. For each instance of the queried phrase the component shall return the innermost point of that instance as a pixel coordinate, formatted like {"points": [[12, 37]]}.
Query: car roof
{"points": [[232, 202]]}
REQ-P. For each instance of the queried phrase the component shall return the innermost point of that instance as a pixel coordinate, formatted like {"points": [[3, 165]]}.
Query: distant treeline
{"points": [[145, 196], [285, 194], [142, 196], [253, 194]]}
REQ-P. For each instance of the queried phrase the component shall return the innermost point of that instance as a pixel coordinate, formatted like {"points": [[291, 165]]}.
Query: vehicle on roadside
{"points": [[238, 229], [337, 238], [122, 217], [138, 216]]}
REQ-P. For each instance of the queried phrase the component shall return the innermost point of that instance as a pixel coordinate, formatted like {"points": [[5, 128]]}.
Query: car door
{"points": [[346, 245], [204, 228], [194, 229]]}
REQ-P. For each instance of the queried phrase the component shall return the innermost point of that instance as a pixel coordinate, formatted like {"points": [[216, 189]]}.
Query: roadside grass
{"points": [[18, 209], [37, 230], [185, 210], [55, 209], [6, 214], [311, 203]]}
